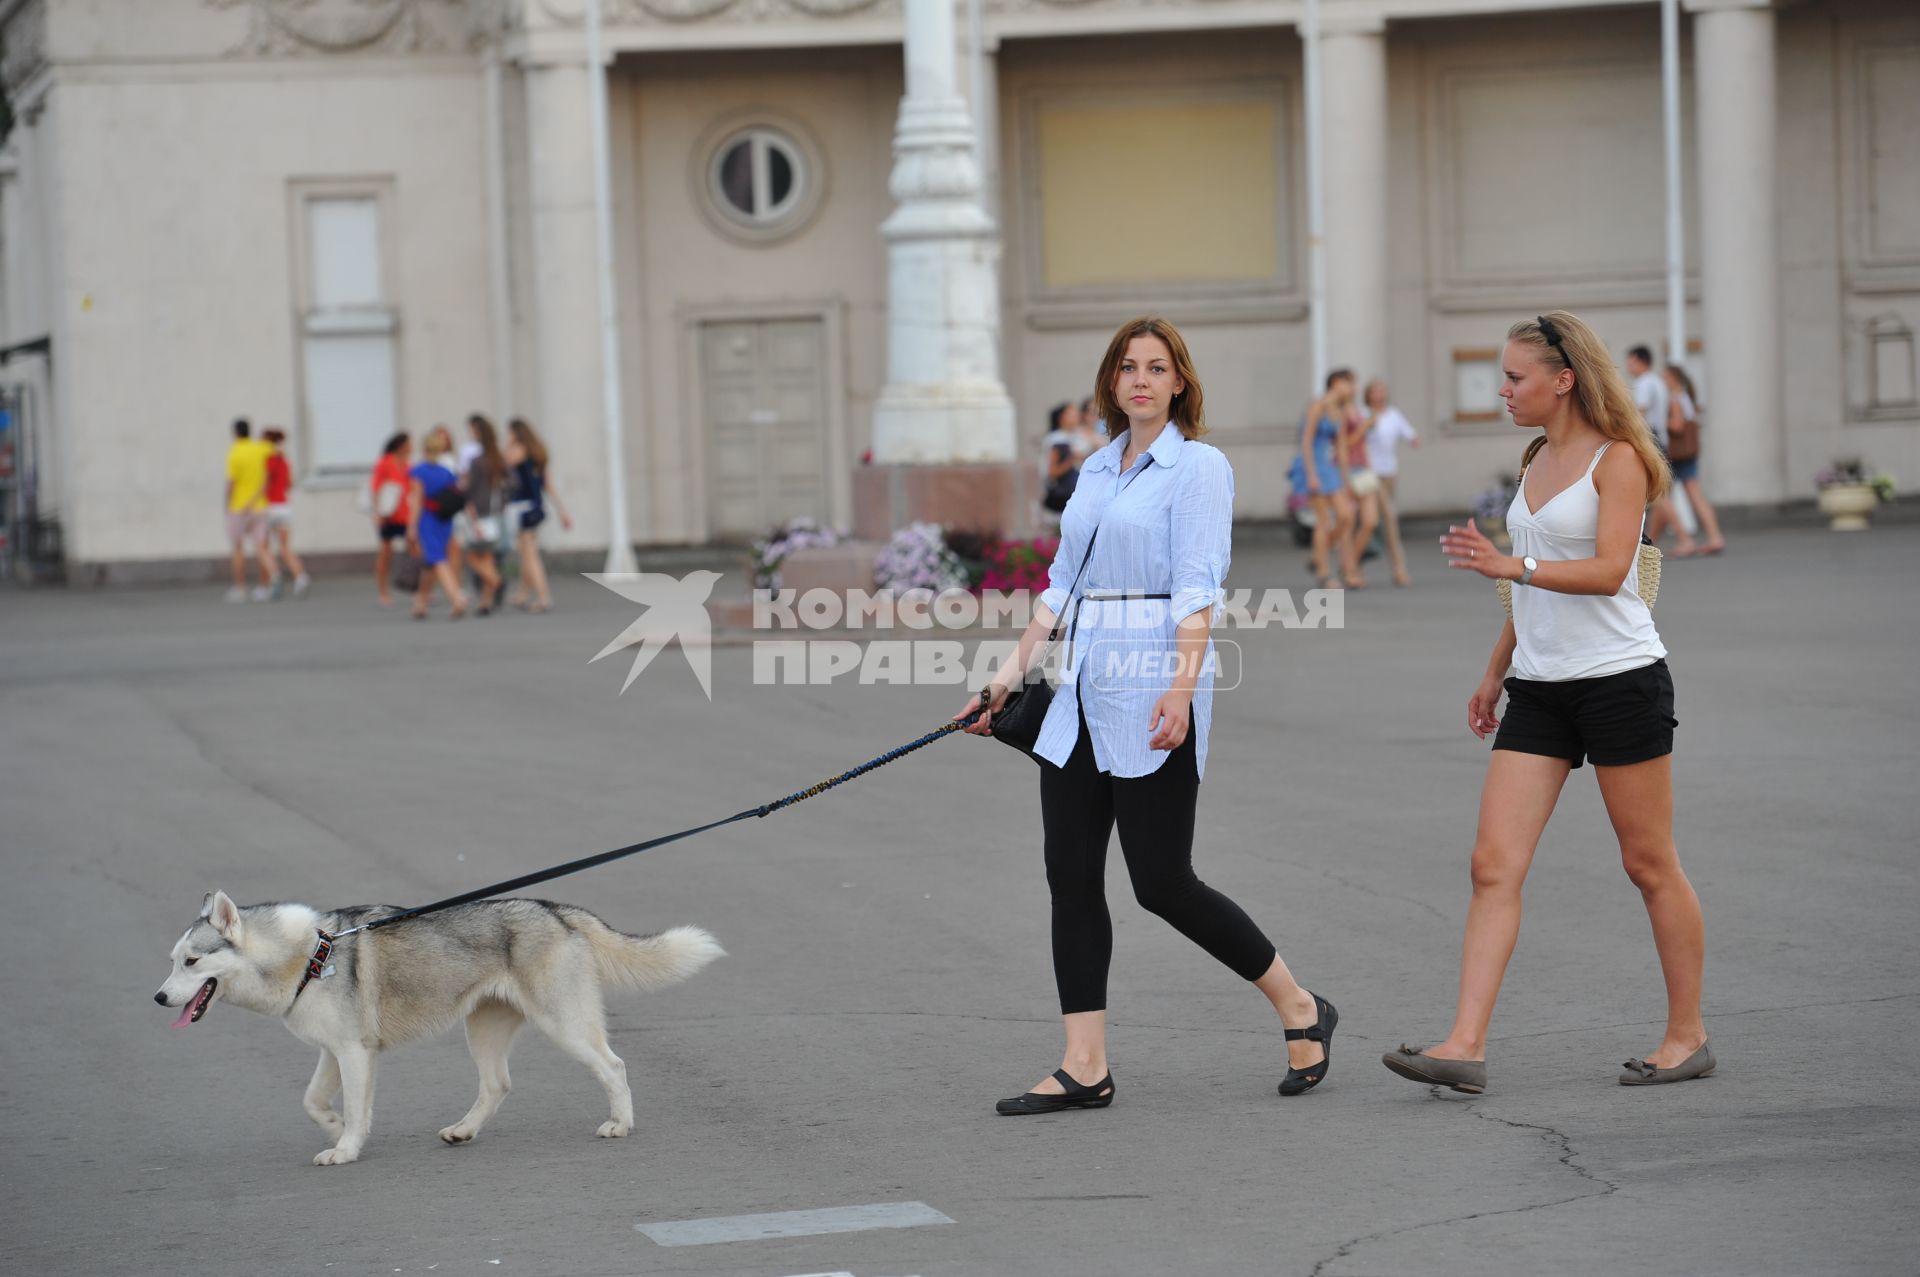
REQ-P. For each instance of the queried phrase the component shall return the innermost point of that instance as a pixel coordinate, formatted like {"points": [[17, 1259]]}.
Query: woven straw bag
{"points": [[1649, 567]]}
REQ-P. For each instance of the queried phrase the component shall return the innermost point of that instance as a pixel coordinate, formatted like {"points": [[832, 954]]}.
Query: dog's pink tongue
{"points": [[186, 1015]]}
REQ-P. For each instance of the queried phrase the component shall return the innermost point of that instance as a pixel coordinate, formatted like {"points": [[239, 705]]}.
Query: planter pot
{"points": [[1847, 505]]}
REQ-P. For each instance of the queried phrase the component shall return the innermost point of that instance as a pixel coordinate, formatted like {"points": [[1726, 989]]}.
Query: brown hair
{"points": [[1188, 413], [489, 442], [274, 435], [523, 434], [1604, 397]]}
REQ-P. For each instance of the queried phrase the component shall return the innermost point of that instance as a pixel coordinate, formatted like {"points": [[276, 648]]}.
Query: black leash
{"points": [[317, 967]]}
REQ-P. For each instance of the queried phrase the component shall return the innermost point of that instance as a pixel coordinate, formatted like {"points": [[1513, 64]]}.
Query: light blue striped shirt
{"points": [[1165, 527]]}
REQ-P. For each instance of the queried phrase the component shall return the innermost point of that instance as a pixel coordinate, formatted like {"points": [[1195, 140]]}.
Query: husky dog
{"points": [[495, 963]]}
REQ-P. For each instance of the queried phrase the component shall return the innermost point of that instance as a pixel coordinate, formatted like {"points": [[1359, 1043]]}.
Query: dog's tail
{"points": [[650, 962]]}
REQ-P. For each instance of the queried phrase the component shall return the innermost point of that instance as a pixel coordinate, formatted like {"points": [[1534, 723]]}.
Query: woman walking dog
{"points": [[1144, 546], [1589, 681]]}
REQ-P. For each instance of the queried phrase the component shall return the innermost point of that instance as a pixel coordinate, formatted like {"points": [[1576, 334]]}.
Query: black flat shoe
{"points": [[1300, 1081], [1097, 1096]]}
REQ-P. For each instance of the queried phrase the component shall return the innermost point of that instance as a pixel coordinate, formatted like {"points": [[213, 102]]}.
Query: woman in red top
{"points": [[280, 518], [390, 512]]}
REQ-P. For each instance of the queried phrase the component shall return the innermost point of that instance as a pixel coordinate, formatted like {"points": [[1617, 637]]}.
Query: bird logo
{"points": [[676, 607]]}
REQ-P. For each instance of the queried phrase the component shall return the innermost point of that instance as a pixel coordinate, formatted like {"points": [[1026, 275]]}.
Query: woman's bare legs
{"points": [[1297, 1010], [383, 572], [1369, 518], [448, 576], [1390, 525], [1515, 801], [533, 573], [1708, 516], [1086, 1058], [1639, 800], [1329, 532]]}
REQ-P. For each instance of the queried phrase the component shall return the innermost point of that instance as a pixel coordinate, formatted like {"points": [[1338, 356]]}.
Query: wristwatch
{"points": [[1528, 566]]}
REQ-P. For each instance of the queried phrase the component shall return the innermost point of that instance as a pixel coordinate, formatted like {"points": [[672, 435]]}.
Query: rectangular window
{"points": [[348, 328]]}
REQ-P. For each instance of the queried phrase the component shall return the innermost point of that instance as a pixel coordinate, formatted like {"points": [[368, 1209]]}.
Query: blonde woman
{"points": [[434, 499], [1127, 750], [526, 457], [1586, 678]]}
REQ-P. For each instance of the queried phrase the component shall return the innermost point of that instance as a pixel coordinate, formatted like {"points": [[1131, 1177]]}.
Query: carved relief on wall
{"points": [[26, 45], [650, 12], [284, 27]]}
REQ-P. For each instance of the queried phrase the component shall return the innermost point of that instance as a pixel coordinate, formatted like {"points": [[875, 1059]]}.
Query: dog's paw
{"points": [[613, 1130], [336, 1156], [458, 1133]]}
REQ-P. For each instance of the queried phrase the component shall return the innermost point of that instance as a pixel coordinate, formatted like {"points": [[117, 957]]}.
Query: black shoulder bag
{"points": [[1018, 722]]}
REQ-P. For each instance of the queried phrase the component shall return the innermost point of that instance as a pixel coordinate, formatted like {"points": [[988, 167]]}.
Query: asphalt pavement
{"points": [[888, 974]]}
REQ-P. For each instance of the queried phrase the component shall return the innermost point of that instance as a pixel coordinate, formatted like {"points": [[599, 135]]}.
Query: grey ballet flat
{"points": [[1469, 1077], [1700, 1064]]}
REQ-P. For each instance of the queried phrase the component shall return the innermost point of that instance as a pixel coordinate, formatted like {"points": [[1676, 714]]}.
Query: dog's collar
{"points": [[317, 968]]}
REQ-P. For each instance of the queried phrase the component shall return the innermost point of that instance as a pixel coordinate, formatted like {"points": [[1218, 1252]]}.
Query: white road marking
{"points": [[791, 1223]]}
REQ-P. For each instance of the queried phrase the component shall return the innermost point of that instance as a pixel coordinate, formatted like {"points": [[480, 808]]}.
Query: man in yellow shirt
{"points": [[247, 511]]}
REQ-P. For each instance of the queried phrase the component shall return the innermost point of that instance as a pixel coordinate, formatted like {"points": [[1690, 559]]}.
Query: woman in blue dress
{"points": [[433, 505], [1320, 474]]}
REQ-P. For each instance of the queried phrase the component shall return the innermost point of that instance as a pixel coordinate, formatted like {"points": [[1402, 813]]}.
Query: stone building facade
{"points": [[354, 216]]}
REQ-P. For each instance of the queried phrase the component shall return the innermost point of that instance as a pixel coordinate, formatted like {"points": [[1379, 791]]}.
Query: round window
{"points": [[759, 177]]}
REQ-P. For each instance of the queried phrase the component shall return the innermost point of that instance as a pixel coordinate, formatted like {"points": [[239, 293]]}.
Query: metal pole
{"points": [[1676, 228], [499, 276], [1316, 200], [619, 537]]}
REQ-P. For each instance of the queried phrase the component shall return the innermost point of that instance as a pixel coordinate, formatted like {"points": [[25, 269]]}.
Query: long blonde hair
{"points": [[1605, 399], [1188, 412]]}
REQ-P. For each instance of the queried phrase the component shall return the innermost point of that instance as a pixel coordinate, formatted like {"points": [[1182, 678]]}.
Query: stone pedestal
{"points": [[992, 497]]}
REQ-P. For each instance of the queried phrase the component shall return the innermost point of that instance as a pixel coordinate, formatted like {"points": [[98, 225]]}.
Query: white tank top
{"points": [[1567, 636]]}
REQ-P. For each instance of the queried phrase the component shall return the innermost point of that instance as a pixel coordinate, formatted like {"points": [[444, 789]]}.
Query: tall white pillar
{"points": [[944, 400], [565, 296], [1353, 63], [1744, 458]]}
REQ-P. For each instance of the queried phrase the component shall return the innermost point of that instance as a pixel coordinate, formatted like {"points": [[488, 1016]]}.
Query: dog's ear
{"points": [[224, 915], [206, 905]]}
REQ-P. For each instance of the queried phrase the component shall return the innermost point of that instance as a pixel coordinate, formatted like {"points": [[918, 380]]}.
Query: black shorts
{"points": [[392, 530], [1615, 720]]}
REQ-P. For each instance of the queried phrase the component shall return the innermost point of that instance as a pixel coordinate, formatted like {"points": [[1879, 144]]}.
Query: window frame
{"points": [[312, 321]]}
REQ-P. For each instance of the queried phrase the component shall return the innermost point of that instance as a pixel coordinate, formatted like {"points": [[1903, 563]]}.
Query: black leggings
{"points": [[1080, 805]]}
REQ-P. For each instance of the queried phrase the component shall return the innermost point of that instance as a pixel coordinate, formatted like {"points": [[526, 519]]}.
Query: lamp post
{"points": [[619, 537]]}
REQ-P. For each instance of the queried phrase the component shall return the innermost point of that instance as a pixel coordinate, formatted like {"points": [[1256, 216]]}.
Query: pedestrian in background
{"points": [[246, 506], [1130, 751], [1654, 398], [434, 499], [1589, 681], [1319, 473], [280, 517], [526, 457], [484, 479], [1683, 449], [1390, 428], [1363, 486], [392, 508], [1062, 460]]}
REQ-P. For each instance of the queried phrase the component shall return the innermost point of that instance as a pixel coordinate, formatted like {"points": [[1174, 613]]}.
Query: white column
{"points": [[944, 400], [565, 297], [1744, 457], [1354, 66]]}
